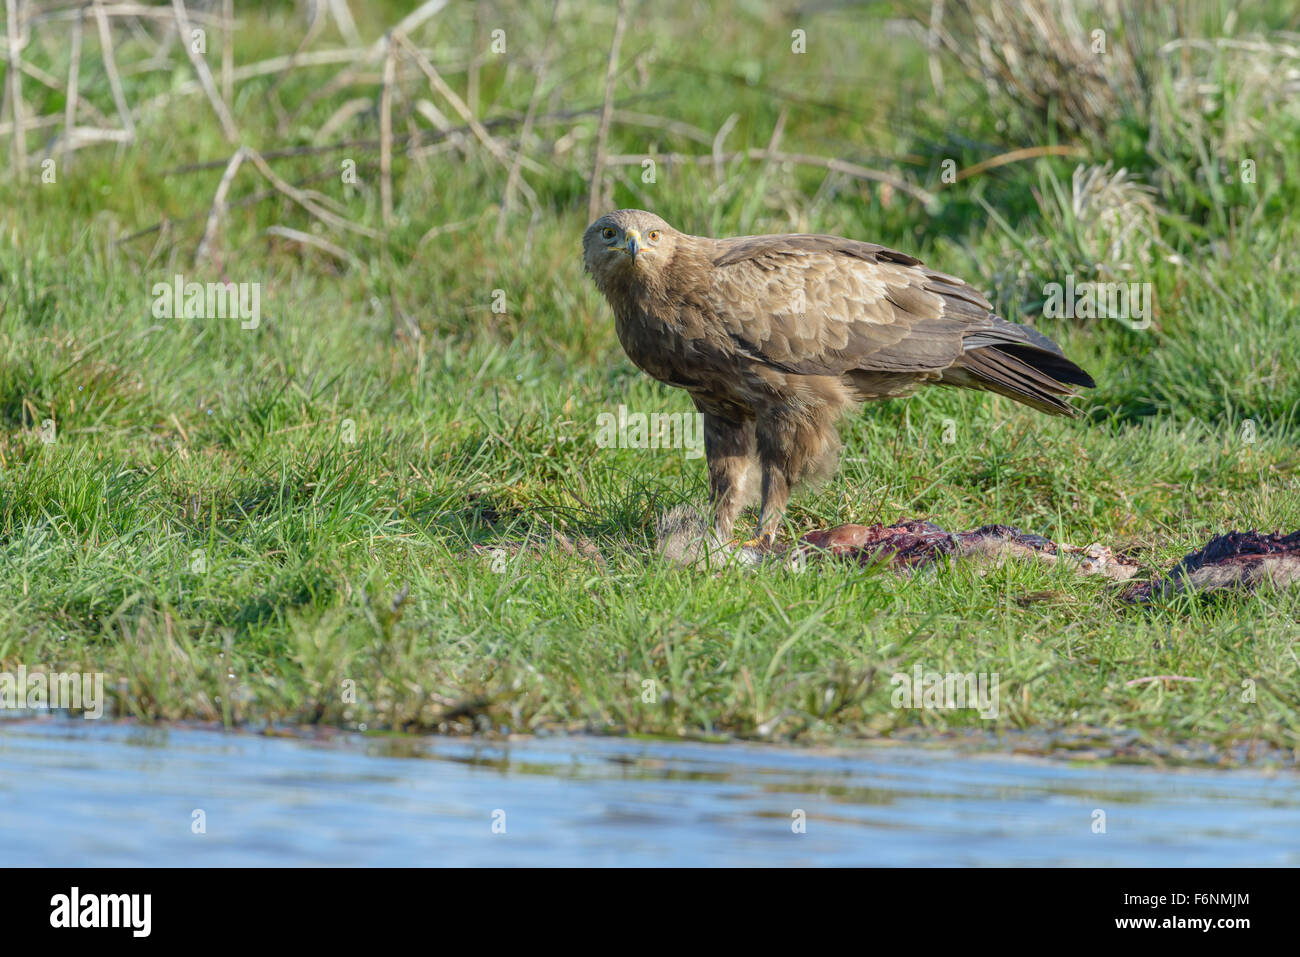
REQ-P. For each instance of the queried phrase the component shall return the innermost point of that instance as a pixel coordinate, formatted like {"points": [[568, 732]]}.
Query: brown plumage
{"points": [[776, 337]]}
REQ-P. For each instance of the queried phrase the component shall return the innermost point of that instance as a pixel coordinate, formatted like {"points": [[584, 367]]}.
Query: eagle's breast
{"points": [[657, 343]]}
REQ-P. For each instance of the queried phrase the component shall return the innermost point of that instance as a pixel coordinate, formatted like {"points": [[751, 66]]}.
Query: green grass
{"points": [[232, 523]]}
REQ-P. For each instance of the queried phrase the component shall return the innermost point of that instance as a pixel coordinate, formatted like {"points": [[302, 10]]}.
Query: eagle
{"points": [[776, 338]]}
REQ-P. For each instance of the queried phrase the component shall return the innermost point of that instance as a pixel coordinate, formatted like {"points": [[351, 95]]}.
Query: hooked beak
{"points": [[631, 243]]}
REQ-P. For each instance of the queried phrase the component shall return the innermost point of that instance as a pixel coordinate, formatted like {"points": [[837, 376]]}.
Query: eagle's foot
{"points": [[762, 543]]}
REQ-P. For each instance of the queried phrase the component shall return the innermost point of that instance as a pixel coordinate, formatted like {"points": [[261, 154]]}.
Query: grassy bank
{"points": [[275, 523]]}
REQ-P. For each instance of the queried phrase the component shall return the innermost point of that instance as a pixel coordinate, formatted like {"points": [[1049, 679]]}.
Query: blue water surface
{"points": [[98, 793]]}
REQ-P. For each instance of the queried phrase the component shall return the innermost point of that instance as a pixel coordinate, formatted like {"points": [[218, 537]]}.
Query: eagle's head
{"points": [[627, 245]]}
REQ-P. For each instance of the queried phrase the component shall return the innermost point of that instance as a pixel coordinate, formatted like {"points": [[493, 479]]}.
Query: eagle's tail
{"points": [[1020, 363]]}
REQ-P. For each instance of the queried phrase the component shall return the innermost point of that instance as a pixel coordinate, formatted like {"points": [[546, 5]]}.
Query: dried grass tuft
{"points": [[1077, 66]]}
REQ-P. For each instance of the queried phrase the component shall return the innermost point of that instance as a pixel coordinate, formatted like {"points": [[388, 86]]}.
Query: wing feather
{"points": [[822, 305]]}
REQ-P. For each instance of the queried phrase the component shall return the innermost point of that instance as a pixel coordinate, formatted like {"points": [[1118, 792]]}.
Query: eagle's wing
{"points": [[821, 305]]}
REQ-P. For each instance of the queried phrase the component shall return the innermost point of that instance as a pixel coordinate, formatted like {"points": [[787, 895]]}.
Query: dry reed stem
{"points": [[439, 86], [369, 55], [667, 124], [30, 123], [718, 139], [298, 236], [301, 197], [74, 79], [110, 67], [127, 10], [305, 201], [12, 9], [386, 137], [228, 51], [205, 74], [219, 204], [512, 178], [800, 159], [1015, 156], [341, 117], [343, 20], [595, 195]]}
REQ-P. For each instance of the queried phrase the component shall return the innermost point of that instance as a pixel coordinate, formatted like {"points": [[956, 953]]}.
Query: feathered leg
{"points": [[793, 446], [776, 494], [730, 449]]}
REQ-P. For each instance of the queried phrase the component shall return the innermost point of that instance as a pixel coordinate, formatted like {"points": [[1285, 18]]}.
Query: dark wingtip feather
{"points": [[1051, 363], [1027, 380]]}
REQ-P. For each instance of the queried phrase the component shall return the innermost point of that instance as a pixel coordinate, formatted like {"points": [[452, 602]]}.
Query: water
{"points": [[94, 793]]}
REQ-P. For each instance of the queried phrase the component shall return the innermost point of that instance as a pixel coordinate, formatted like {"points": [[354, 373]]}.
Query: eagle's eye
{"points": [[607, 232], [654, 235]]}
